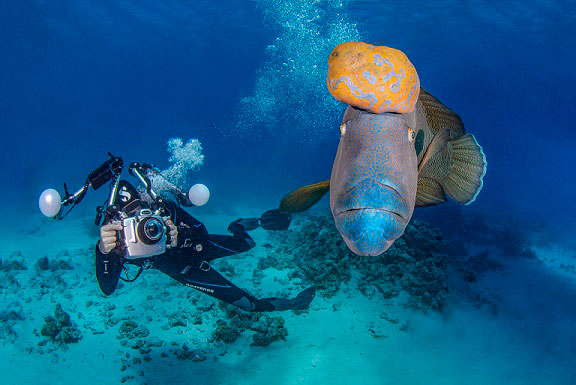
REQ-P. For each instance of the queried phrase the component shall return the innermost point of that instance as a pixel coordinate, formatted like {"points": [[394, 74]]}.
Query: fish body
{"points": [[374, 180], [400, 148]]}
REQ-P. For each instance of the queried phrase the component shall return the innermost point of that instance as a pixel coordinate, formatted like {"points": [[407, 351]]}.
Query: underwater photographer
{"points": [[150, 231]]}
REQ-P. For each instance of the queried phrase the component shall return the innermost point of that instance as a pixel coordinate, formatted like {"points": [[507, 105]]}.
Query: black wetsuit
{"points": [[189, 264]]}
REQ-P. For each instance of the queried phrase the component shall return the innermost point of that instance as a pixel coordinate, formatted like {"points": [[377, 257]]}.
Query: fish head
{"points": [[374, 179]]}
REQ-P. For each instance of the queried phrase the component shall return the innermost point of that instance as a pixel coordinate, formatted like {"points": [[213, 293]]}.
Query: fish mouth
{"points": [[385, 198], [370, 231], [354, 210]]}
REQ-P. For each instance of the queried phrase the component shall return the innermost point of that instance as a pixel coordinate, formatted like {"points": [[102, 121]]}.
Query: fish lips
{"points": [[370, 229]]}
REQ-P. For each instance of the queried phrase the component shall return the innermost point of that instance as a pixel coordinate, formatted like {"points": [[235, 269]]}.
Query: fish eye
{"points": [[342, 129], [411, 135]]}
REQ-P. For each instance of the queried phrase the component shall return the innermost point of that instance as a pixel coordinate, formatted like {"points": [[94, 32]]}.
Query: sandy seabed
{"points": [[527, 337]]}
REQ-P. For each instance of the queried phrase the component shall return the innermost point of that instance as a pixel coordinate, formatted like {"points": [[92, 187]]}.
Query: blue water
{"points": [[247, 79], [82, 78]]}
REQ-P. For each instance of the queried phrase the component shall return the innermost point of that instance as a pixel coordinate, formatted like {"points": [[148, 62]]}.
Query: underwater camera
{"points": [[144, 234], [141, 213]]}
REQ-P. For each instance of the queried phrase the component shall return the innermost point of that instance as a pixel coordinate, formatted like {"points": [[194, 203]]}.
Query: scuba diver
{"points": [[189, 253], [146, 230]]}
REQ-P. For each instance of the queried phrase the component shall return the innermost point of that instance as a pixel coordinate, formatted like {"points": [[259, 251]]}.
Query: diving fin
{"points": [[243, 224], [275, 220], [300, 302], [305, 197]]}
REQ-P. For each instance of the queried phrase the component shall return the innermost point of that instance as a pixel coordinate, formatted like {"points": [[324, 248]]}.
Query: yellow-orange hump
{"points": [[376, 79]]}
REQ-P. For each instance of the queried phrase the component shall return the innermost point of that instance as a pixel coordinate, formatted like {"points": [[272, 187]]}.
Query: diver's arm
{"points": [[188, 229], [108, 268]]}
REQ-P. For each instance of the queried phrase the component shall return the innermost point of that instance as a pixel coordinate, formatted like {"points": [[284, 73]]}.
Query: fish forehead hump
{"points": [[376, 144]]}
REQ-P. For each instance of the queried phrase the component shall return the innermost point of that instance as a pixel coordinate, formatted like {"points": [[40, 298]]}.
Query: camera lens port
{"points": [[150, 230]]}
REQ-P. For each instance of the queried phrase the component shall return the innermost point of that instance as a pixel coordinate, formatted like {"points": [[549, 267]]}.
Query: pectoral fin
{"points": [[468, 168], [305, 197], [429, 192]]}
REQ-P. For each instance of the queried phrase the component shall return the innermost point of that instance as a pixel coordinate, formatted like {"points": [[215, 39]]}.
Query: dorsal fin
{"points": [[439, 116]]}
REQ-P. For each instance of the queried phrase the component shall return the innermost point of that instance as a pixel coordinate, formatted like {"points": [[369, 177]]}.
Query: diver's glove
{"points": [[300, 302], [171, 234]]}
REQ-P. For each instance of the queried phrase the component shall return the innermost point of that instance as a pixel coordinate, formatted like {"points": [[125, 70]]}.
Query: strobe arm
{"points": [[181, 197], [76, 197], [51, 204], [106, 172], [111, 169], [142, 170], [138, 170]]}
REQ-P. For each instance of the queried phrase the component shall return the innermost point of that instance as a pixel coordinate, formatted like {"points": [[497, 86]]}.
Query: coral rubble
{"points": [[418, 264], [59, 328], [266, 329]]}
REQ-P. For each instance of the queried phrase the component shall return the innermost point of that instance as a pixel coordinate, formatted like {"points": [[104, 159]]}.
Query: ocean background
{"points": [[247, 79]]}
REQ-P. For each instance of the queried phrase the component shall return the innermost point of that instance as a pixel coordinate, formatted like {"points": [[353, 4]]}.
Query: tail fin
{"points": [[464, 181], [305, 197]]}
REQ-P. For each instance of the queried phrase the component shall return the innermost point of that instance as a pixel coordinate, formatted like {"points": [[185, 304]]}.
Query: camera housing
{"points": [[144, 234]]}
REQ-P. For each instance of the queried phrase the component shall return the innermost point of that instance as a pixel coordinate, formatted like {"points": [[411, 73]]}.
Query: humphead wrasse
{"points": [[399, 148]]}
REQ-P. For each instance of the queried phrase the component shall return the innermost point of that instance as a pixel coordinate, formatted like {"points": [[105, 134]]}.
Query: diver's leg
{"points": [[207, 280], [219, 246], [223, 245]]}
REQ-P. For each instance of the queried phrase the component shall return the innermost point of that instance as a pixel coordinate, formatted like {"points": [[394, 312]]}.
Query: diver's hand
{"points": [[109, 237], [172, 232]]}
